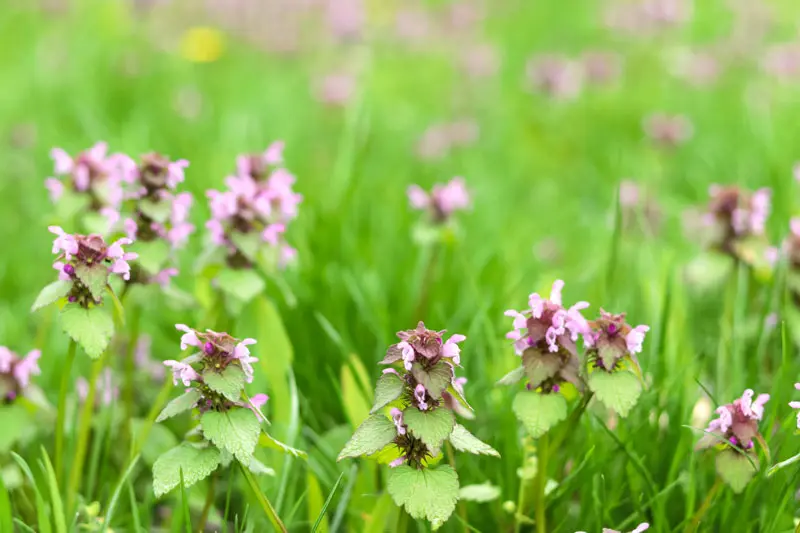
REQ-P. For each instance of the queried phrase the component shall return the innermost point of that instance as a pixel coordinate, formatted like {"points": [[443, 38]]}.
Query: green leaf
{"points": [[259, 468], [91, 328], [432, 426], [95, 277], [242, 284], [512, 377], [371, 436], [483, 493], [196, 462], [617, 390], [389, 388], [229, 382], [539, 412], [51, 293], [158, 441], [182, 403], [158, 211], [429, 494], [235, 430], [436, 379], [540, 365], [269, 441], [14, 420], [736, 469], [249, 244], [153, 255], [464, 441]]}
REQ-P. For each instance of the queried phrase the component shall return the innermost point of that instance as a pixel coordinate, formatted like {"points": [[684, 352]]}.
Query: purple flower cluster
{"points": [[737, 423], [16, 372], [218, 354], [668, 131], [736, 214], [439, 139], [87, 261], [563, 78], [260, 202], [429, 382], [611, 339], [443, 200]]}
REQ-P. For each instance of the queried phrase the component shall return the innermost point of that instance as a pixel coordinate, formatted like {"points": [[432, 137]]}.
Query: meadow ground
{"points": [[571, 174]]}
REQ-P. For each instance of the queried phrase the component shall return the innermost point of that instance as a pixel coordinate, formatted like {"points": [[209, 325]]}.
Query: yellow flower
{"points": [[202, 44]]}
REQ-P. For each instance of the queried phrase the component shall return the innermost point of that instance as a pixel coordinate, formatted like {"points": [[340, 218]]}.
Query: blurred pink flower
{"points": [[668, 130], [335, 89], [555, 75], [601, 67], [443, 200]]}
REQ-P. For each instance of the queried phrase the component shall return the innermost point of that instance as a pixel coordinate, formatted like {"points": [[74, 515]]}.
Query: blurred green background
{"points": [[354, 89]]}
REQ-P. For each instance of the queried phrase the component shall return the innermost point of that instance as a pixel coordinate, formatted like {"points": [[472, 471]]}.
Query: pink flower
{"points": [[555, 75], [272, 233], [27, 367], [164, 277], [451, 349], [257, 402], [189, 338], [182, 372], [120, 264], [55, 187], [418, 198], [397, 462], [408, 354], [7, 357], [796, 405], [737, 422], [443, 201], [668, 130], [64, 242], [397, 417], [419, 396], [175, 174], [335, 89], [242, 354], [635, 338], [63, 162]]}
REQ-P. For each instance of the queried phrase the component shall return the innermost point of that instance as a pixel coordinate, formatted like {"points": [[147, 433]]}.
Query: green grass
{"points": [[542, 172]]}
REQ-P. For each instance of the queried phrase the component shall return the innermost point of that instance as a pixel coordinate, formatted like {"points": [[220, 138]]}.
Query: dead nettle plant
{"points": [[247, 229], [230, 422], [86, 265], [546, 336], [413, 418]]}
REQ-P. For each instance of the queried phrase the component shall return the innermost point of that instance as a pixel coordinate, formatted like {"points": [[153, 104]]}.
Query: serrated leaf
{"points": [[617, 390], [158, 211], [236, 430], [539, 412], [540, 365], [486, 492], [182, 403], [371, 436], [259, 468], [248, 243], [735, 469], [229, 382], [389, 388], [512, 377], [196, 462], [153, 255], [95, 277], [242, 284], [51, 293], [464, 441], [159, 439], [91, 328], [432, 426], [436, 379], [429, 494]]}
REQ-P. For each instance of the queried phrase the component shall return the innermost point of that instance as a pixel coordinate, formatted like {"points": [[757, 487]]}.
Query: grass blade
{"points": [[55, 496], [326, 504], [112, 504]]}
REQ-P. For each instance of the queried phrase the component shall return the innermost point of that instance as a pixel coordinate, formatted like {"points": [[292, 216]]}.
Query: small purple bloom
{"points": [[397, 417], [419, 396]]}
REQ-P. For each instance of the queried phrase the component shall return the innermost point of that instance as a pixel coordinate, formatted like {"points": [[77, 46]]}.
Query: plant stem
{"points": [[698, 516], [155, 409], [427, 281], [130, 368], [451, 460], [212, 485], [83, 434], [266, 506], [66, 373], [541, 482], [521, 496]]}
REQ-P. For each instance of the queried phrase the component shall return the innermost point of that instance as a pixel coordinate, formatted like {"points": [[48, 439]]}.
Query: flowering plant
{"points": [[415, 396], [230, 421]]}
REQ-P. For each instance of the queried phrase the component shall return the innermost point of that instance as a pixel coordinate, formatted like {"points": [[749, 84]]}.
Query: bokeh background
{"points": [[588, 133]]}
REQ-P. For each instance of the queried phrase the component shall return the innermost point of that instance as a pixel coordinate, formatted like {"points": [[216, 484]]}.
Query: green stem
{"points": [[518, 513], [263, 501], [541, 482], [212, 485], [66, 373], [130, 368], [155, 409], [83, 434], [698, 516], [451, 460], [427, 281]]}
